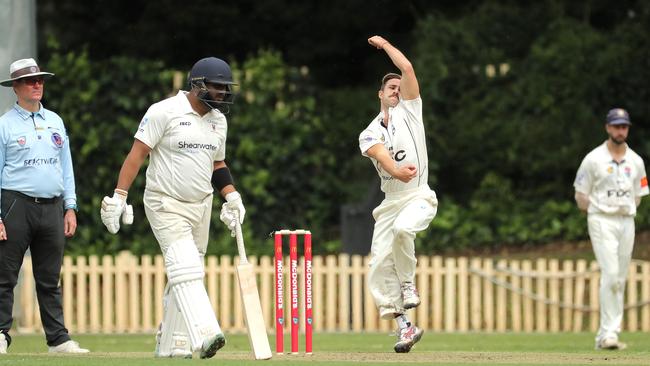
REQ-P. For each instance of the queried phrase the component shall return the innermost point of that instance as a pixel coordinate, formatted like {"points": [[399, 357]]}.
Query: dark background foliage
{"points": [[514, 95]]}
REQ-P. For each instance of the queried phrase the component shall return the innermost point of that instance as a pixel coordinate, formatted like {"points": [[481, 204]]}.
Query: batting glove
{"points": [[115, 207], [234, 203], [229, 218]]}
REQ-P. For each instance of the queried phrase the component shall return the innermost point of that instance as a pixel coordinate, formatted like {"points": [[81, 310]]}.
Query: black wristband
{"points": [[221, 178]]}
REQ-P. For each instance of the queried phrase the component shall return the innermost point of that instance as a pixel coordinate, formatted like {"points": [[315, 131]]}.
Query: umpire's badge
{"points": [[22, 140], [57, 140]]}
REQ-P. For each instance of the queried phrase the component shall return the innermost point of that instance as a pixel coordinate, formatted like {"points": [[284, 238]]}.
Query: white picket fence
{"points": [[123, 294]]}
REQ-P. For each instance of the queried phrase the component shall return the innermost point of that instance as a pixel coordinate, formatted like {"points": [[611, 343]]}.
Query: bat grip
{"points": [[240, 243]]}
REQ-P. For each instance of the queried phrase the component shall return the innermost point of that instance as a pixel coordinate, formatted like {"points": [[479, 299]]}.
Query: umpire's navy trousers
{"points": [[37, 224]]}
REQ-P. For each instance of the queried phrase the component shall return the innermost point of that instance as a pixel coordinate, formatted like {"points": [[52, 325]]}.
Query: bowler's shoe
{"points": [[410, 295], [407, 338]]}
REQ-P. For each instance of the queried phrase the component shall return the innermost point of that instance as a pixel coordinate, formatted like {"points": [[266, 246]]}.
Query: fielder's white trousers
{"points": [[612, 237], [397, 219]]}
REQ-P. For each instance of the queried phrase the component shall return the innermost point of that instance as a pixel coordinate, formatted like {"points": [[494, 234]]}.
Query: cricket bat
{"points": [[251, 299]]}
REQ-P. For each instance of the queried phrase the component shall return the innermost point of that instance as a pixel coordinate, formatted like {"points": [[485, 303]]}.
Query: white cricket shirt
{"points": [[404, 139], [612, 187], [184, 146]]}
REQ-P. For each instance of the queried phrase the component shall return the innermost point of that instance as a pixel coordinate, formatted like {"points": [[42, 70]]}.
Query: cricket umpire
{"points": [[609, 185], [38, 202]]}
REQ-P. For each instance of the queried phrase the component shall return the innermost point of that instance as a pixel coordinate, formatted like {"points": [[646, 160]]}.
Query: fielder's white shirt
{"points": [[184, 146], [612, 187], [404, 139]]}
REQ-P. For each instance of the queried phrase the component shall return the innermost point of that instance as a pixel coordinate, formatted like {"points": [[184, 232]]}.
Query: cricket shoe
{"points": [[67, 347], [156, 351], [407, 338], [610, 343], [410, 296], [3, 343], [212, 344]]}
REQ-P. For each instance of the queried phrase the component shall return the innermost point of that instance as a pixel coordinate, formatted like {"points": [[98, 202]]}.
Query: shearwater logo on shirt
{"points": [[190, 145]]}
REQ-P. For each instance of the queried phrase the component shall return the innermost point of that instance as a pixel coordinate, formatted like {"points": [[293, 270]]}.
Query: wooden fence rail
{"points": [[123, 294]]}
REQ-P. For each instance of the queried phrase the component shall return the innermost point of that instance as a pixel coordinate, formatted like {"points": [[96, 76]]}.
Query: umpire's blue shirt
{"points": [[35, 155]]}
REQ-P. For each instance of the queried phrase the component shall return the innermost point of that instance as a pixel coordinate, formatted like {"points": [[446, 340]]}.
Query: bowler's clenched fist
{"points": [[377, 41]]}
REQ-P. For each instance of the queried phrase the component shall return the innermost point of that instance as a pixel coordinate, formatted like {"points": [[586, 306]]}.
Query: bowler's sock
{"points": [[402, 321]]}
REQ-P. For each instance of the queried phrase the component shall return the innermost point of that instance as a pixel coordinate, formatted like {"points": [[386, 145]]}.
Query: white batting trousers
{"points": [[398, 219], [173, 221], [612, 237]]}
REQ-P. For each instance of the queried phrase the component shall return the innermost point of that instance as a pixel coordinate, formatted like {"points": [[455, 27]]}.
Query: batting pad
{"points": [[185, 274], [174, 340]]}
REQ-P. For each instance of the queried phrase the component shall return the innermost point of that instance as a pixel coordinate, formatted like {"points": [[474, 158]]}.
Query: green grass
{"points": [[353, 349]]}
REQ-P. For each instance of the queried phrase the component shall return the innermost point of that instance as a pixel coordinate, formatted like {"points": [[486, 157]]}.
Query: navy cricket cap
{"points": [[618, 116]]}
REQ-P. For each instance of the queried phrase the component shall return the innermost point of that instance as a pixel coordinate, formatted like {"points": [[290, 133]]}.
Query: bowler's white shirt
{"points": [[612, 187], [405, 140], [184, 146]]}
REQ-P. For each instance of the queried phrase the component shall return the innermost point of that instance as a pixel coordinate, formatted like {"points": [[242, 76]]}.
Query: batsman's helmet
{"points": [[214, 71]]}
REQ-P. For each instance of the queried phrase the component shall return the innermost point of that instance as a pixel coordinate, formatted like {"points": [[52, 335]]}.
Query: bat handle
{"points": [[240, 243]]}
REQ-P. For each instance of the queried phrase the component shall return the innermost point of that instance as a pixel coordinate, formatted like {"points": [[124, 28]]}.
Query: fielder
{"points": [[395, 143], [609, 185], [185, 137]]}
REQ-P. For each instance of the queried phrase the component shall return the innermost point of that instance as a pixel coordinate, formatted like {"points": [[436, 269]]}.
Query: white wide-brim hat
{"points": [[24, 68]]}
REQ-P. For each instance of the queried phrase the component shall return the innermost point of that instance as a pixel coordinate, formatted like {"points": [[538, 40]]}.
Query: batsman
{"points": [[395, 143], [185, 139]]}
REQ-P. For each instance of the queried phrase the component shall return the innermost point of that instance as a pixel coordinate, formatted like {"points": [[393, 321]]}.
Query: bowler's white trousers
{"points": [[612, 237], [397, 219]]}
